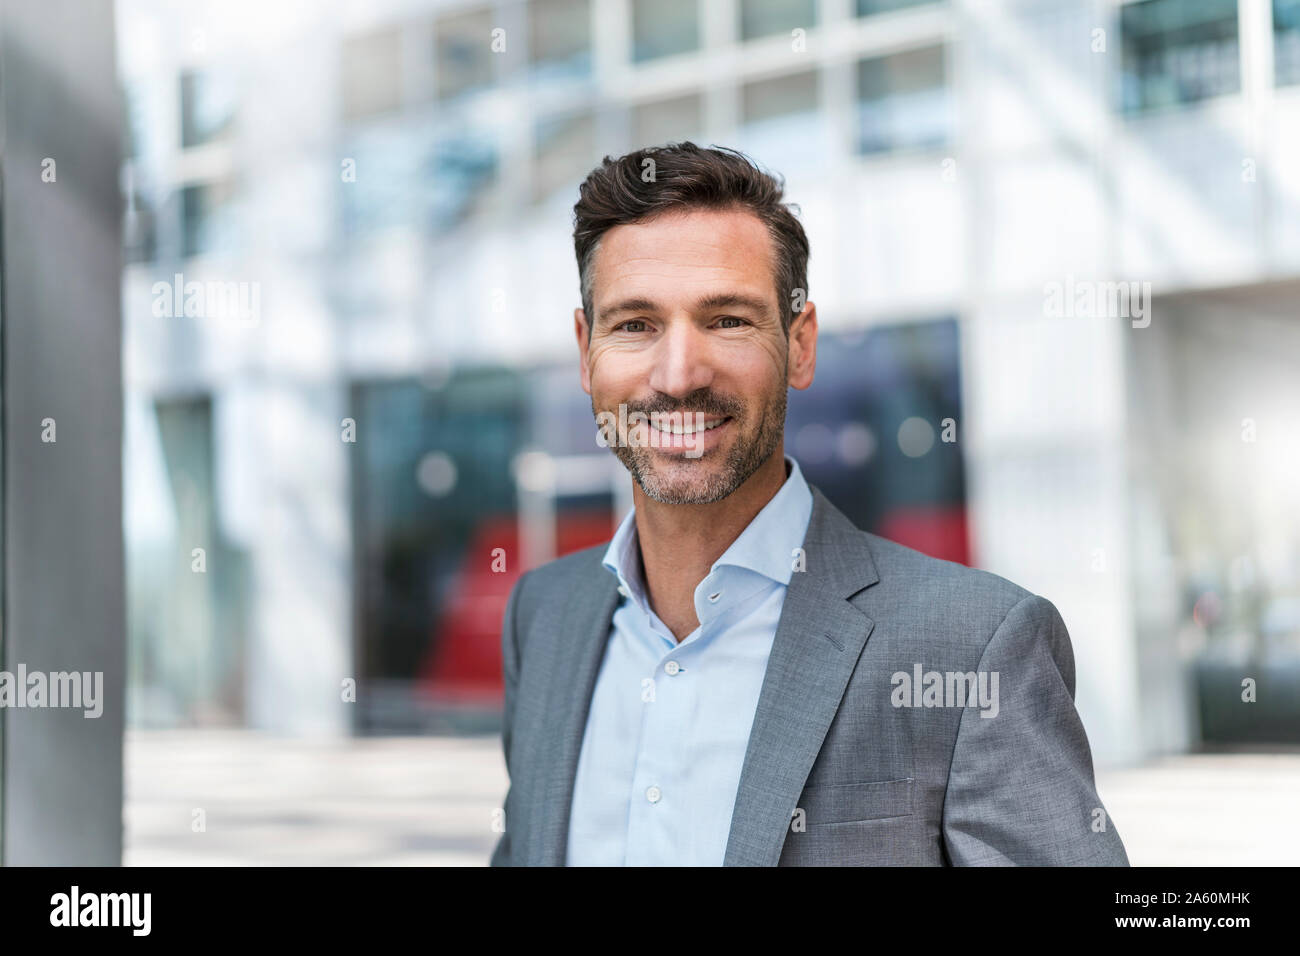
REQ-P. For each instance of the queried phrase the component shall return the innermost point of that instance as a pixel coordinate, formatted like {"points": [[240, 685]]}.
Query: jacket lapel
{"points": [[818, 640], [583, 633]]}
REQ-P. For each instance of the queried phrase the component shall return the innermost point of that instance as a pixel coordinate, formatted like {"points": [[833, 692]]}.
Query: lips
{"points": [[686, 434], [690, 425]]}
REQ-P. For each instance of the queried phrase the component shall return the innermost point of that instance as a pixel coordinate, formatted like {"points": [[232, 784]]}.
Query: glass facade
{"points": [[431, 180], [559, 38], [763, 18], [667, 121], [189, 585], [464, 53], [866, 8], [1178, 51], [464, 167], [209, 218], [371, 72], [424, 529], [1286, 42], [903, 101], [565, 153], [664, 28], [782, 122], [208, 106], [871, 435]]}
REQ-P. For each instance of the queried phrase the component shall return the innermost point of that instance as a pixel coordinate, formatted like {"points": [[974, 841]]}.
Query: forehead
{"points": [[684, 256]]}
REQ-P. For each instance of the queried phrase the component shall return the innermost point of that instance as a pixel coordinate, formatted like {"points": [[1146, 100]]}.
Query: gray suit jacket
{"points": [[877, 783]]}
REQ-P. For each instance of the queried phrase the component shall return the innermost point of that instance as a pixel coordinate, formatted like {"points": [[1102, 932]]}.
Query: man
{"points": [[742, 677]]}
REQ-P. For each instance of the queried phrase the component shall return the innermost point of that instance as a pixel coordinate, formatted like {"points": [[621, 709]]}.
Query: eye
{"points": [[732, 318], [628, 326]]}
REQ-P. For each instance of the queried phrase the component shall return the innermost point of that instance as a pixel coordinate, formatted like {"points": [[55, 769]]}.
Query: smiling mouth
{"points": [[691, 425]]}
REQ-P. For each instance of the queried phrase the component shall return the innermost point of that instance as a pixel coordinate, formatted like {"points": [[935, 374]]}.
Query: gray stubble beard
{"points": [[743, 459]]}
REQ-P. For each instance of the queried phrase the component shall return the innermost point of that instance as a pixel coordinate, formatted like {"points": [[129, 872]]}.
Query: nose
{"points": [[682, 361]]}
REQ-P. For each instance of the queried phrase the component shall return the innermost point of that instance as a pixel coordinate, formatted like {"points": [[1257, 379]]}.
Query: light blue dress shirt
{"points": [[669, 723]]}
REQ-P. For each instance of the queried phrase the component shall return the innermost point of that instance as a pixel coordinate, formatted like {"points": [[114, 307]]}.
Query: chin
{"points": [[686, 482], [677, 495]]}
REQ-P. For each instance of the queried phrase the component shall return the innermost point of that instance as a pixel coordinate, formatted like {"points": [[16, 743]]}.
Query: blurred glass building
{"points": [[352, 408]]}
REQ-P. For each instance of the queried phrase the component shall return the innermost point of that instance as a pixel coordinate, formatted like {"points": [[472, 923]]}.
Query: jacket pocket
{"points": [[847, 803]]}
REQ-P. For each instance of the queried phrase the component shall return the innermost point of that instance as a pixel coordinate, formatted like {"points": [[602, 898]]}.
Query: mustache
{"points": [[705, 404]]}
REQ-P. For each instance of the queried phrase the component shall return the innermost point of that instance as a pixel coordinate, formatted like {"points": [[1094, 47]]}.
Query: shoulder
{"points": [[571, 567], [557, 579], [940, 579], [945, 596], [905, 583]]}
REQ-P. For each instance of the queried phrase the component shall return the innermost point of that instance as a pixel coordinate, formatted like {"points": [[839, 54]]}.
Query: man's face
{"points": [[687, 321]]}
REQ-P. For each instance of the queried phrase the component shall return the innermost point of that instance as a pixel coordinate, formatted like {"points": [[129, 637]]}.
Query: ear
{"points": [[801, 356], [583, 333]]}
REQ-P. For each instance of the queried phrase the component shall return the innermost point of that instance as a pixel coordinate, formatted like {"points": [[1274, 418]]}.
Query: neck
{"points": [[679, 543]]}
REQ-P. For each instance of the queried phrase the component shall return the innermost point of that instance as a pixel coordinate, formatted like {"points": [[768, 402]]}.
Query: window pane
{"points": [[782, 96], [371, 74], [664, 27], [464, 46], [428, 181], [1286, 41], [197, 680], [208, 102], [761, 18], [1178, 51], [430, 499], [667, 121], [566, 152], [139, 229], [207, 219], [903, 101], [460, 174], [781, 124], [871, 380], [560, 42], [867, 7]]}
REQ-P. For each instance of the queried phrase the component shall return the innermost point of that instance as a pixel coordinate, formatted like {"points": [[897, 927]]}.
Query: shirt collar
{"points": [[766, 546]]}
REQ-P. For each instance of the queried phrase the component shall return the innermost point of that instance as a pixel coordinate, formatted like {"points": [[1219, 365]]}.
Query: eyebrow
{"points": [[720, 300]]}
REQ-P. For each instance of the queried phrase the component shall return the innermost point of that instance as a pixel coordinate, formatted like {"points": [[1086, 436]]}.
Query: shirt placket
{"points": [[656, 811], [655, 803]]}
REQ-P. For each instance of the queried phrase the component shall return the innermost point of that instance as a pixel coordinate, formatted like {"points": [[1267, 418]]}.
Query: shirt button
{"points": [[714, 597], [652, 794], [673, 668], [624, 591]]}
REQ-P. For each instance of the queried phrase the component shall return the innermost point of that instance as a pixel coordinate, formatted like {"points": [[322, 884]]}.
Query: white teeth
{"points": [[677, 429]]}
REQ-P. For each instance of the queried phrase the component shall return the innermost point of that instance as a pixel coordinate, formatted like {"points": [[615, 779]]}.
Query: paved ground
{"points": [[429, 801], [1214, 810]]}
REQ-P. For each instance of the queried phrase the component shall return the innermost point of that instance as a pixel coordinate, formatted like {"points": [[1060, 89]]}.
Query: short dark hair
{"points": [[686, 176]]}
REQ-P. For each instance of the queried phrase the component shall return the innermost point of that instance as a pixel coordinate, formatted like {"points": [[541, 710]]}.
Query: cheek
{"points": [[612, 372], [758, 366]]}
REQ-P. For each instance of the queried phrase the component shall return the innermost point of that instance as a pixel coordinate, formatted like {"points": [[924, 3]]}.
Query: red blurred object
{"points": [[463, 664], [938, 531]]}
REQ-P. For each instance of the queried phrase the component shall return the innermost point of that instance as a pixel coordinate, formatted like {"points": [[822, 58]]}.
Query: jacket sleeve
{"points": [[1020, 788], [503, 855]]}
